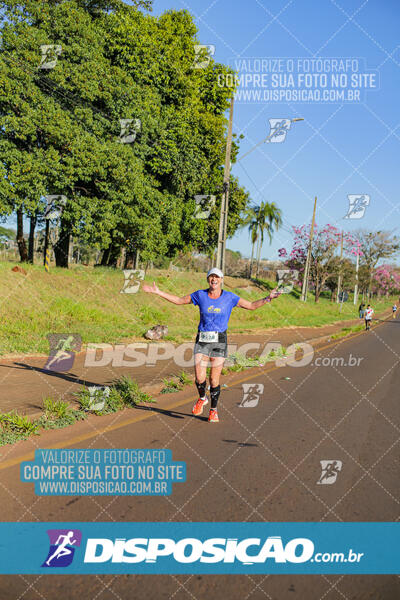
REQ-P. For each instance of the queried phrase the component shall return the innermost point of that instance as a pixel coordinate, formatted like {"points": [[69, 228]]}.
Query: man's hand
{"points": [[274, 294], [150, 289]]}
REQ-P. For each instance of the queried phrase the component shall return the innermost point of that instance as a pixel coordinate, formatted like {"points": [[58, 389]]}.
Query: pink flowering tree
{"points": [[325, 245], [386, 280]]}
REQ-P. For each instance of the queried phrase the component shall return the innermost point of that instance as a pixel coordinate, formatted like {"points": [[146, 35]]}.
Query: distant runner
{"points": [[394, 310], [368, 317], [361, 310], [215, 306]]}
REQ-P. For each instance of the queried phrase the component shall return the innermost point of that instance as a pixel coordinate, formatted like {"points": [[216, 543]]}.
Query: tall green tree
{"points": [[186, 151], [61, 130]]}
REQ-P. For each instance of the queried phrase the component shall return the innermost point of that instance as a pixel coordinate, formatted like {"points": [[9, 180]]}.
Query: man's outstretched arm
{"points": [[153, 289], [257, 303]]}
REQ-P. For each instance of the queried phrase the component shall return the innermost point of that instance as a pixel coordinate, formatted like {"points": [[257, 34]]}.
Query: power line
{"points": [[288, 224]]}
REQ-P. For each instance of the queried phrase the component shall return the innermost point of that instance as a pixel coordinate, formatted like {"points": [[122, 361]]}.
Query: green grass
{"points": [[88, 301], [57, 414], [185, 379], [130, 392], [170, 386], [345, 331], [175, 384], [124, 392], [14, 427]]}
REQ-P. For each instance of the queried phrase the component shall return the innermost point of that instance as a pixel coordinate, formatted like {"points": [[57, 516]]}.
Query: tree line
{"points": [[117, 114], [104, 105], [334, 255]]}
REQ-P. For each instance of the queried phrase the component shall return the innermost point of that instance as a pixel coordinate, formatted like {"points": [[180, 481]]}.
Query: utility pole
{"points": [[304, 290], [339, 283], [356, 285], [223, 219], [46, 251]]}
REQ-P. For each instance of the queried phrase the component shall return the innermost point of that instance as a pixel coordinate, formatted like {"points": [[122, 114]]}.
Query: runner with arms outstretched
{"points": [[215, 306]]}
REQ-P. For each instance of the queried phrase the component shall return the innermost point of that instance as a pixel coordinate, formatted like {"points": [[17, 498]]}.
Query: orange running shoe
{"points": [[213, 416], [198, 407]]}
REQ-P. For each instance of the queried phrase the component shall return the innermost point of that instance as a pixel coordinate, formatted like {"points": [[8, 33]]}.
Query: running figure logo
{"points": [[50, 54], [54, 206], [133, 277], [357, 206], [98, 396], [202, 55], [129, 130], [204, 205], [251, 394], [286, 280], [63, 347], [330, 470], [278, 130], [62, 547]]}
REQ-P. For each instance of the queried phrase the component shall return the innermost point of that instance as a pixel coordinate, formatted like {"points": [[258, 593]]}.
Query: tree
{"points": [[233, 263], [260, 219], [7, 233], [52, 139], [269, 219], [60, 128], [185, 152], [386, 280], [323, 253], [249, 220], [376, 246], [346, 268]]}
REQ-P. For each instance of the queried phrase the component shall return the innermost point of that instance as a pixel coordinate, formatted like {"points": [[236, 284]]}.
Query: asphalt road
{"points": [[24, 381], [260, 463]]}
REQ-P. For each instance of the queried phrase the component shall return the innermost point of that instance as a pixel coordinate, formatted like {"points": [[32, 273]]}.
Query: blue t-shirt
{"points": [[214, 312]]}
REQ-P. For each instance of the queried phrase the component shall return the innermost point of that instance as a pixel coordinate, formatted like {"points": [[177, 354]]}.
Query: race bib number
{"points": [[208, 336]]}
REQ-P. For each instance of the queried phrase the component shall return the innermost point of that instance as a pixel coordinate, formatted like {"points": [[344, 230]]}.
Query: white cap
{"points": [[215, 271]]}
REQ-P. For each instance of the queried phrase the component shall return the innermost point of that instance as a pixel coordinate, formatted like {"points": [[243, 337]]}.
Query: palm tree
{"points": [[253, 229], [260, 219], [269, 219], [250, 220]]}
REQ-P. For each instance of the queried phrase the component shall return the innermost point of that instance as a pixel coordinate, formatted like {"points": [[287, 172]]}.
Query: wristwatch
{"points": [[267, 299]]}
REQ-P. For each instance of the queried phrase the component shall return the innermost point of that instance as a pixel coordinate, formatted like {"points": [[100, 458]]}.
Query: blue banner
{"points": [[207, 548], [111, 472]]}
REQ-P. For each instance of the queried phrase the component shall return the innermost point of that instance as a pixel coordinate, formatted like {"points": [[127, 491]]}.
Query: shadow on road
{"points": [[240, 444], [66, 376], [163, 411], [170, 413]]}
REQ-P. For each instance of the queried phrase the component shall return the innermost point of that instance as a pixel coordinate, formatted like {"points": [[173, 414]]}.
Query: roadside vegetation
{"points": [[56, 414], [88, 301]]}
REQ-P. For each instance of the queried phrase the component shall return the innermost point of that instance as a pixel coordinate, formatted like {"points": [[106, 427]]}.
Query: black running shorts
{"points": [[213, 349]]}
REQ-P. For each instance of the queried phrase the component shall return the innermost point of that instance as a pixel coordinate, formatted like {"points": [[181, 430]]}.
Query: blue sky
{"points": [[340, 148]]}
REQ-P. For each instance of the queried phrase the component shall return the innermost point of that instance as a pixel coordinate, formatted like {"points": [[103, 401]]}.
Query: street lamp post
{"points": [[265, 140], [223, 219]]}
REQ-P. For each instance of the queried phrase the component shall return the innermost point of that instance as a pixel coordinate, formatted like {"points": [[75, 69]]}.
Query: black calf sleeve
{"points": [[202, 389], [214, 393]]}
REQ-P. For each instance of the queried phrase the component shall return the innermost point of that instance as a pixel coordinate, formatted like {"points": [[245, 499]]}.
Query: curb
{"points": [[237, 378], [155, 389]]}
